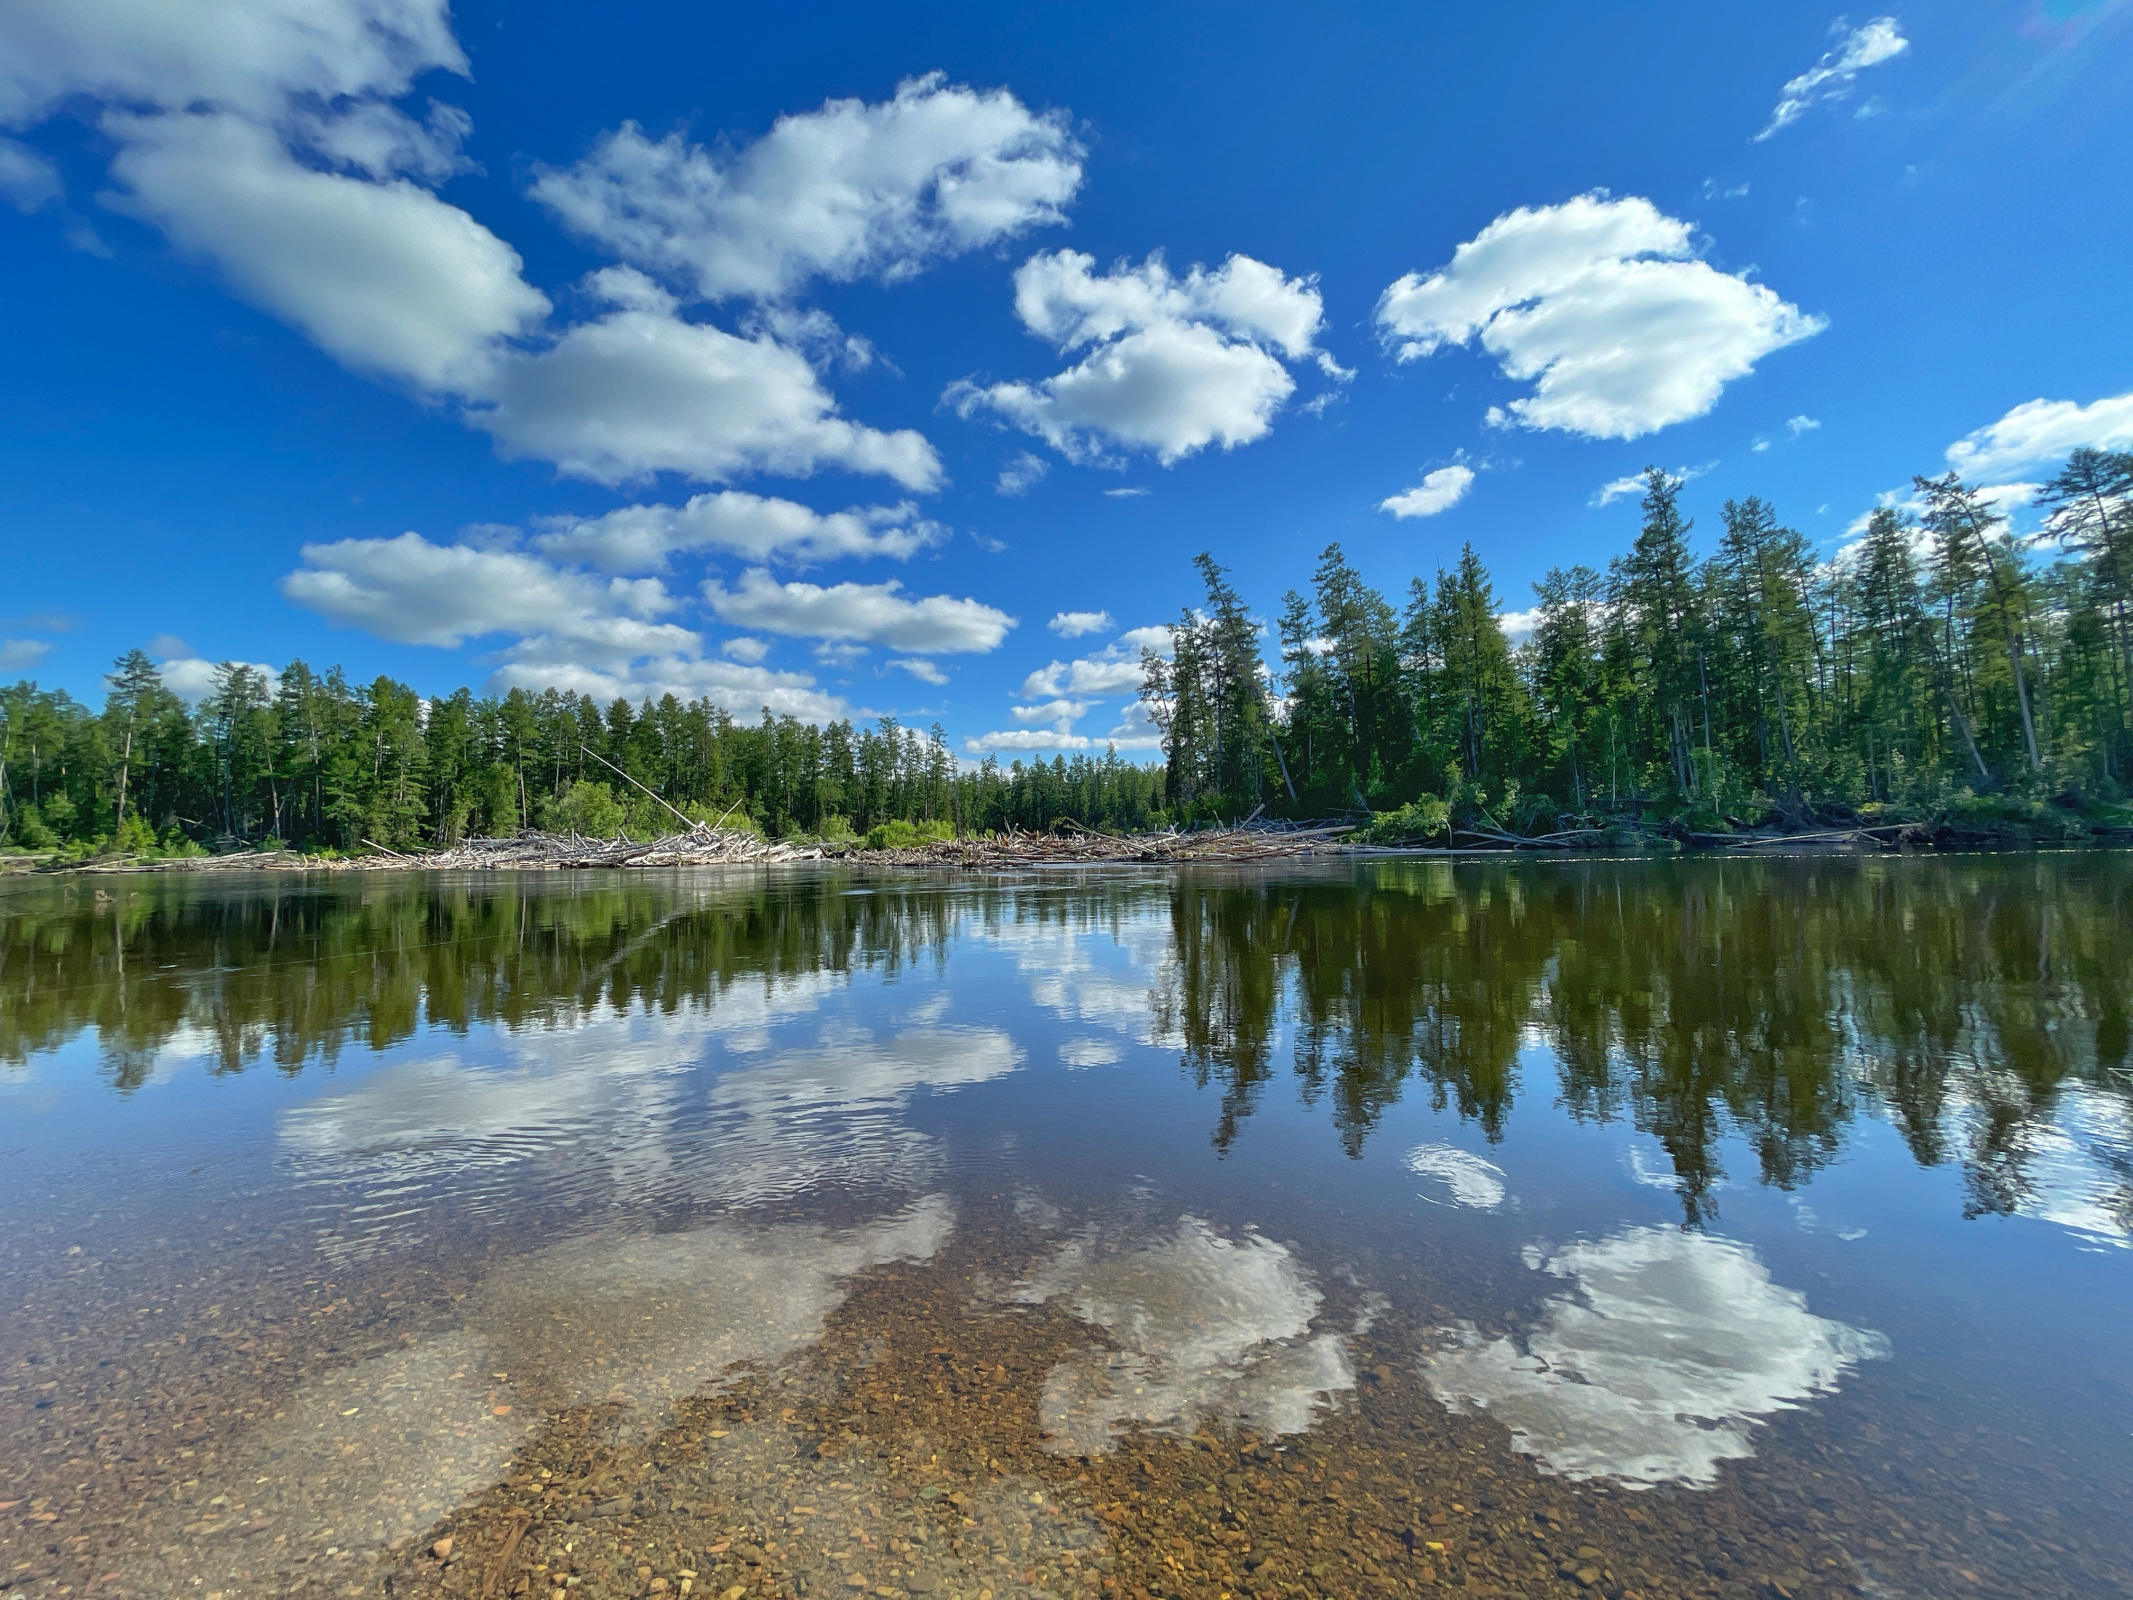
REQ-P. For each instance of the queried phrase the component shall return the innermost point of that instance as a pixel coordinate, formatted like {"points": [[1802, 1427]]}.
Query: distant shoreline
{"points": [[1225, 847]]}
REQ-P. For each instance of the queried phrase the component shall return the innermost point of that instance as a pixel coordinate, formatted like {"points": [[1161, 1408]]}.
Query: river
{"points": [[1641, 1228]]}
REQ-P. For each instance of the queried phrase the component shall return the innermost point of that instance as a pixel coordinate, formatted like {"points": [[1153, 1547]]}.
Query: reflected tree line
{"points": [[1703, 1001], [293, 973], [1769, 1001]]}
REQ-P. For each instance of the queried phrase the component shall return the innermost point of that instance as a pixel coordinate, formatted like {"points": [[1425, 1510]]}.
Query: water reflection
{"points": [[1457, 1177], [1982, 1006], [796, 1215], [609, 1109], [1204, 1329], [1657, 1367], [359, 1456], [835, 1113], [1769, 1001], [644, 1319]]}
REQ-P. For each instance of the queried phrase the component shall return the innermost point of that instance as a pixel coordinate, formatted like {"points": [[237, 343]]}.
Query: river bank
{"points": [[704, 845]]}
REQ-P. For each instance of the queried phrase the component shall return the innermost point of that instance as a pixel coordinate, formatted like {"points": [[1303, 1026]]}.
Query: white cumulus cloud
{"points": [[251, 55], [15, 654], [641, 538], [1112, 670], [261, 138], [1438, 491], [1600, 304], [1837, 73], [382, 276], [192, 678], [849, 191], [1060, 714], [1173, 364], [1518, 626], [415, 592], [557, 628], [1073, 624], [1025, 739], [860, 613], [742, 689], [642, 391], [2043, 431]]}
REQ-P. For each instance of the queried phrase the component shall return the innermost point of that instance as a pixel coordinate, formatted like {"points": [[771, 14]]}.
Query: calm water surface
{"points": [[1658, 1229]]}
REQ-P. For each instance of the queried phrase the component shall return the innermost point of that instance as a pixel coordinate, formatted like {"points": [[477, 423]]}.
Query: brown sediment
{"points": [[903, 1455], [900, 1453]]}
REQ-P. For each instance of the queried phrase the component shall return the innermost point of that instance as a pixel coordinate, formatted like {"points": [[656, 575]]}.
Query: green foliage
{"points": [[900, 835], [1720, 690], [134, 836], [32, 832], [1209, 699], [584, 807], [2016, 816], [1924, 661], [328, 764], [1423, 820]]}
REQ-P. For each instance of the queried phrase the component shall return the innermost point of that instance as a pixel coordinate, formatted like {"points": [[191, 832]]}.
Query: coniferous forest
{"points": [[1940, 664]]}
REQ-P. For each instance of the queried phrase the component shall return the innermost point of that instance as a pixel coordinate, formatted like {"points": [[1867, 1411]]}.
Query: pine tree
{"points": [[135, 686], [1563, 661], [1653, 616], [1981, 574]]}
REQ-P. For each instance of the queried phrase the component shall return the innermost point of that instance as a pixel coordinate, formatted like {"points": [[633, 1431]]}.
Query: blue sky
{"points": [[897, 360]]}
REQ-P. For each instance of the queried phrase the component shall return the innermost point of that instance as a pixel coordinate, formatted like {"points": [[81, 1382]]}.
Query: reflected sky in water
{"points": [[1655, 1367], [1205, 1329], [1648, 1167]]}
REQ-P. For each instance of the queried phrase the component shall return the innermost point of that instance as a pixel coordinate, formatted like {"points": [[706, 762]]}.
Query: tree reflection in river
{"points": [[1969, 1000], [1700, 999]]}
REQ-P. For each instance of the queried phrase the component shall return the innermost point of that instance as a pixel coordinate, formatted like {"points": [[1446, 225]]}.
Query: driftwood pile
{"points": [[1086, 846], [534, 851]]}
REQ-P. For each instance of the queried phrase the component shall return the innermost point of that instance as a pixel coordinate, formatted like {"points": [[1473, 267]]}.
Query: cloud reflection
{"points": [[836, 1113], [1098, 976], [1458, 1176], [1679, 1345], [645, 1319], [1208, 1329], [2077, 1170], [610, 1109]]}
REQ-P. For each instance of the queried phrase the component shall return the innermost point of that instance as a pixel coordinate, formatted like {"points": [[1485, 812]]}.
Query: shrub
{"points": [[584, 808], [31, 831], [1423, 818]]}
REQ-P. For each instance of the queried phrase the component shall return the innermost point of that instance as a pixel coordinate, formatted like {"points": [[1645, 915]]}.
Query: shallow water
{"points": [[1646, 1228]]}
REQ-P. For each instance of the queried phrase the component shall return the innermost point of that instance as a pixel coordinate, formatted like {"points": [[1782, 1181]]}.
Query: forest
{"points": [[1939, 663]]}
